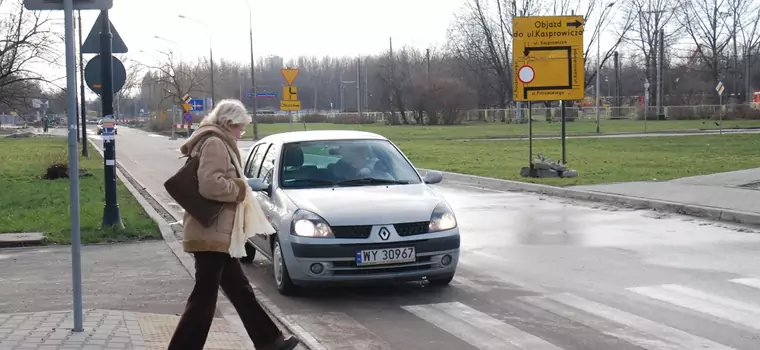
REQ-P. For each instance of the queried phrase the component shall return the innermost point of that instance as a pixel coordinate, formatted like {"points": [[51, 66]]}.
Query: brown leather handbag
{"points": [[184, 188]]}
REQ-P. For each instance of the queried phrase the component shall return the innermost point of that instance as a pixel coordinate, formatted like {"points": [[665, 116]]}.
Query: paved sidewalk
{"points": [[133, 293], [722, 190], [103, 329]]}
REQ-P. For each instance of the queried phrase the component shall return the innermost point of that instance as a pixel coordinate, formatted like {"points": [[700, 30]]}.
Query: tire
{"points": [[441, 281], [280, 273], [250, 253]]}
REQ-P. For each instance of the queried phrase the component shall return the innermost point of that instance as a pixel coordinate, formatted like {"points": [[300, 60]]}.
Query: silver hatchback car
{"points": [[348, 207]]}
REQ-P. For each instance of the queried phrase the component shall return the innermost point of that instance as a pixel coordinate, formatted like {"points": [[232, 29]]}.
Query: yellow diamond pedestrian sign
{"points": [[548, 58]]}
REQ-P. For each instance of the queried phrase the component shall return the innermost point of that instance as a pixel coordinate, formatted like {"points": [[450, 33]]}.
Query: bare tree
{"points": [[703, 21], [651, 16], [175, 79], [25, 41]]}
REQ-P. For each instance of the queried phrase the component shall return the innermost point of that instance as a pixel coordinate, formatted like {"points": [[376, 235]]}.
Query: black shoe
{"points": [[289, 343]]}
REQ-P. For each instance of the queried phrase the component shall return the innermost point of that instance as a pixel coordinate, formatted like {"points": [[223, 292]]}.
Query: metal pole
{"points": [[111, 215], [211, 54], [659, 92], [598, 70], [83, 102], [174, 121], [253, 76], [71, 86], [564, 130], [530, 137], [290, 119], [720, 102], [359, 86]]}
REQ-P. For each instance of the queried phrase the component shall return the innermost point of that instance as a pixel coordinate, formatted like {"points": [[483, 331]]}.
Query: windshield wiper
{"points": [[307, 182], [371, 181]]}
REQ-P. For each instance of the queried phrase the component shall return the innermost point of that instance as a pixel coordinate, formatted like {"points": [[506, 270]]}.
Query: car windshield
{"points": [[344, 163]]}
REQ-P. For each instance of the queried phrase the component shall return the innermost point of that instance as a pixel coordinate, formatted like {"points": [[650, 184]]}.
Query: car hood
{"points": [[368, 205]]}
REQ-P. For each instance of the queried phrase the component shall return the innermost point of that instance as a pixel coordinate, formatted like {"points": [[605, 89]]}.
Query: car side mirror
{"points": [[433, 177], [259, 185]]}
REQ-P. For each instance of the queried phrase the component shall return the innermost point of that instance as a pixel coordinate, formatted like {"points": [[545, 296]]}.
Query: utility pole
{"points": [[747, 76], [359, 86], [83, 101], [616, 61], [253, 76], [111, 214], [660, 95]]}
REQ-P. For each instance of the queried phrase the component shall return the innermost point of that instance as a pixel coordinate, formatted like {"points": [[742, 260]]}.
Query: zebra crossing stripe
{"points": [[711, 304], [750, 282], [631, 328], [478, 329]]}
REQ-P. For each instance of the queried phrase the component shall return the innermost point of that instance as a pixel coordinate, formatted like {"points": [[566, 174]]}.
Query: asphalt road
{"points": [[535, 273]]}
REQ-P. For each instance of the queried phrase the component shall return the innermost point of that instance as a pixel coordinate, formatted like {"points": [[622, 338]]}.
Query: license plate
{"points": [[385, 256]]}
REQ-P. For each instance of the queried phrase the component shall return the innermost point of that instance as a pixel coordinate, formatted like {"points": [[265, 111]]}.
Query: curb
{"points": [[169, 234], [714, 213]]}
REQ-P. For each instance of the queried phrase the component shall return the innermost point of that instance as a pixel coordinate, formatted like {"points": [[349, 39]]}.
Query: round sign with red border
{"points": [[526, 74]]}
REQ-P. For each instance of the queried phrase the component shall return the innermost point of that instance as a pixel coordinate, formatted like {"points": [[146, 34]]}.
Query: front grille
{"points": [[412, 228], [352, 231]]}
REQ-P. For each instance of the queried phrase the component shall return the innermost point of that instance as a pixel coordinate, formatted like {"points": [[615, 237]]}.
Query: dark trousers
{"points": [[214, 270]]}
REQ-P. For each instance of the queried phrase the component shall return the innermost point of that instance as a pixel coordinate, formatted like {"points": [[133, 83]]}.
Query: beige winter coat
{"points": [[217, 180]]}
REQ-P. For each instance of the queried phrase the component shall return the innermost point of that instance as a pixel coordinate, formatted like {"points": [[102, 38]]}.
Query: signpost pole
{"points": [[83, 102], [76, 257], [111, 214], [530, 136], [720, 105], [646, 103], [564, 130]]}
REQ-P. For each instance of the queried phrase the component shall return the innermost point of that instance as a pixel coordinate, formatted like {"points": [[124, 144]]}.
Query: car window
{"points": [[254, 161], [330, 162], [267, 166]]}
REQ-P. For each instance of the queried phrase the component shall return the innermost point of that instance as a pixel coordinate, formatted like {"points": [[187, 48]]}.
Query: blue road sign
{"points": [[187, 116], [265, 95], [197, 105]]}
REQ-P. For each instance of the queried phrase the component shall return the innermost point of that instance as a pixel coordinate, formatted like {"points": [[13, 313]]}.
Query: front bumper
{"points": [[339, 261]]}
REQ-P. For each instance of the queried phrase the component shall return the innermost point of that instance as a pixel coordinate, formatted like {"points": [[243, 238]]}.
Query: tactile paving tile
{"points": [[157, 331]]}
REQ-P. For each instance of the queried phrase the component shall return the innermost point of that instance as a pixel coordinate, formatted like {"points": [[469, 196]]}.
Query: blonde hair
{"points": [[227, 112]]}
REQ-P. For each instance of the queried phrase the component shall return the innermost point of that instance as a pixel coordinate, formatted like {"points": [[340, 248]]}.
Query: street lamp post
{"points": [[210, 52], [253, 77], [599, 62]]}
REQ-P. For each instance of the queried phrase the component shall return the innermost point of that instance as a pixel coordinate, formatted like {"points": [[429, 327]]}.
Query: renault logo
{"points": [[384, 234]]}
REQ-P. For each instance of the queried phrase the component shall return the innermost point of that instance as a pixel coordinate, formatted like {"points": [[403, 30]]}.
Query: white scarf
{"points": [[249, 217]]}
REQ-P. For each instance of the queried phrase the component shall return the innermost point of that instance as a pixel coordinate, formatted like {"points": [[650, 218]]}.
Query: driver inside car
{"points": [[357, 163]]}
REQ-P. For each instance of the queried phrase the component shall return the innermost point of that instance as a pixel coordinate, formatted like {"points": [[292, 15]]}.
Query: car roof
{"points": [[321, 135]]}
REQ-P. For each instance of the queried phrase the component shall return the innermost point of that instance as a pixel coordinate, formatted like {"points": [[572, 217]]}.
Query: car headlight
{"points": [[308, 224], [442, 219]]}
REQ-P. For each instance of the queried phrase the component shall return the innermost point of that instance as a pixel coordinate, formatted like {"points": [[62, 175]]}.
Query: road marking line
{"points": [[478, 329], [631, 328], [711, 304], [750, 282]]}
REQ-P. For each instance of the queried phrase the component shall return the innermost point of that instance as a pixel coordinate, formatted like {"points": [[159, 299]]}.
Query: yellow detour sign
{"points": [[290, 105], [289, 74], [548, 58], [289, 93]]}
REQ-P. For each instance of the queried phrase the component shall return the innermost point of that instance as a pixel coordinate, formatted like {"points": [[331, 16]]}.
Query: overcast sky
{"points": [[288, 29]]}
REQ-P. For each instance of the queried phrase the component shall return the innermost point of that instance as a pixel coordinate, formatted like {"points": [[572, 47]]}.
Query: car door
{"points": [[266, 173], [252, 169]]}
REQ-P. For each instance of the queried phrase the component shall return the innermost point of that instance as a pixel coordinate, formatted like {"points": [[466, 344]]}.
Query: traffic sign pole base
{"points": [[111, 217]]}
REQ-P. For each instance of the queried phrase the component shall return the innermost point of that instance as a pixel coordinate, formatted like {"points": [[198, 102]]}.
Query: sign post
{"points": [[548, 65], [68, 7], [289, 101], [646, 103], [719, 89]]}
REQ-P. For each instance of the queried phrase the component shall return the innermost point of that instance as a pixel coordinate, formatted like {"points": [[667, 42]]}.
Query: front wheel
{"points": [[281, 276]]}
